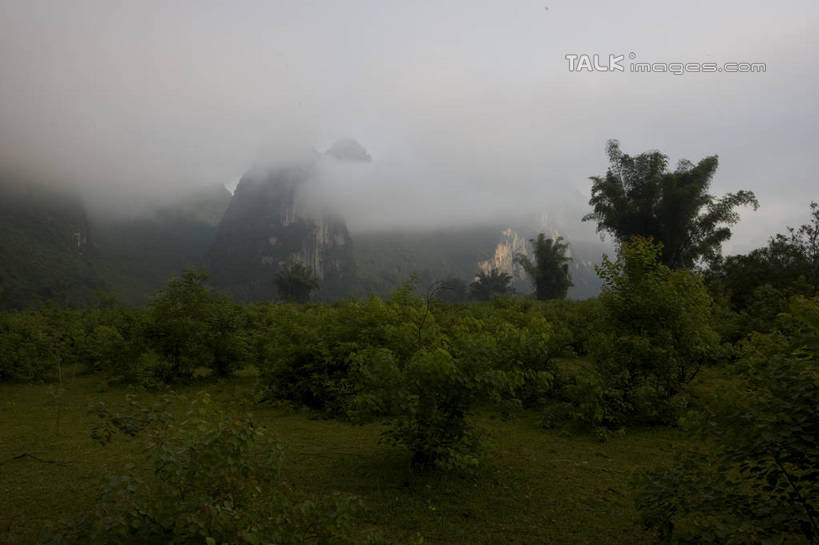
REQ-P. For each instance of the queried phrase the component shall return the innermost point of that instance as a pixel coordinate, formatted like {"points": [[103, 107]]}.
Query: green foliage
{"points": [[756, 287], [35, 343], [427, 401], [657, 333], [295, 283], [428, 396], [517, 344], [453, 290], [550, 271], [487, 285], [528, 470], [640, 196], [104, 346], [29, 347], [761, 484], [304, 352], [188, 327], [131, 422], [576, 324], [419, 363], [805, 241], [214, 480]]}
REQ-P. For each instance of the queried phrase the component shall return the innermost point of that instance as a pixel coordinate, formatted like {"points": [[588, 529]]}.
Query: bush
{"points": [[33, 344], [428, 401], [657, 335], [421, 364], [214, 480], [190, 327], [305, 352], [761, 483], [104, 347], [575, 322], [520, 344]]}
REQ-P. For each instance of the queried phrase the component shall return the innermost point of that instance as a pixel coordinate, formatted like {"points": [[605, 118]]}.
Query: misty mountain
{"points": [[50, 249], [269, 225], [44, 251], [276, 217], [137, 256]]}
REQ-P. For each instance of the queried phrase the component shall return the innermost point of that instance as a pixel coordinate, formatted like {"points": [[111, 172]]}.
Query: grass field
{"points": [[537, 486]]}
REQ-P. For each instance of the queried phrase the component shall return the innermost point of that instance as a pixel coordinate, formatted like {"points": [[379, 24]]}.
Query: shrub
{"points": [[104, 347], [190, 327], [305, 352], [761, 483], [658, 332], [32, 346], [428, 400], [522, 345], [575, 323], [214, 480]]}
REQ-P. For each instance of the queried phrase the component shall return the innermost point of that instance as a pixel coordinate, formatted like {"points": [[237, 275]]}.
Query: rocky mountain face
{"points": [[268, 225], [511, 244]]}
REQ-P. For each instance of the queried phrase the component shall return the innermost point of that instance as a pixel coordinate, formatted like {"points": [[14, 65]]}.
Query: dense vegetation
{"points": [[427, 369]]}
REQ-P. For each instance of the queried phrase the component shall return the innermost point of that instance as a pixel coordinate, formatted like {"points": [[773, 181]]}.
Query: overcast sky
{"points": [[468, 108]]}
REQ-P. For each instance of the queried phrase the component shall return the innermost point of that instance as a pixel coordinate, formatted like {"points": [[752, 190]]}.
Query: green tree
{"points": [[657, 334], [295, 283], [550, 271], [756, 287], [188, 326], [641, 196], [805, 242], [496, 282]]}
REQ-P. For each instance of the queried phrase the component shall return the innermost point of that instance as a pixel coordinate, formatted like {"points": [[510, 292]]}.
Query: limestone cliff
{"points": [[503, 259]]}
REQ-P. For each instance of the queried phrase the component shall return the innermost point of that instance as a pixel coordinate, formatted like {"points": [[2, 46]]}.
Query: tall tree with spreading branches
{"points": [[641, 196]]}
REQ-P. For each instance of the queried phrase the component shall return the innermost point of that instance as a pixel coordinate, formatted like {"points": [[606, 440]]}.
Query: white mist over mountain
{"points": [[468, 109]]}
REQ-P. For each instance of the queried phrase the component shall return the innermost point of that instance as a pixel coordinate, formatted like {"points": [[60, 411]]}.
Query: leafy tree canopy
{"points": [[641, 196]]}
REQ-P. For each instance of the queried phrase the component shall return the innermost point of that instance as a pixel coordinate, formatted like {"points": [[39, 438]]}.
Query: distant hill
{"points": [[44, 251], [137, 256]]}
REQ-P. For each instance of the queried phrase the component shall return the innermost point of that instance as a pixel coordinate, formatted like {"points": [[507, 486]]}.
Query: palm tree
{"points": [[487, 285], [295, 282], [550, 271]]}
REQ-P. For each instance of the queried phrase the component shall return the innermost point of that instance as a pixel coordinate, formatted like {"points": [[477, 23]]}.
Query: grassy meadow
{"points": [[538, 486]]}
